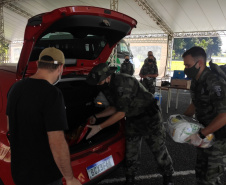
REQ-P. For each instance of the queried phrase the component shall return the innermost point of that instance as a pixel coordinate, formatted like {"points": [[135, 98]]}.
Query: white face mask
{"points": [[58, 79]]}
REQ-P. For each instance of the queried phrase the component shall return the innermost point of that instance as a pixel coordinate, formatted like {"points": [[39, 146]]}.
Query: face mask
{"points": [[127, 60], [150, 60], [192, 71], [59, 78]]}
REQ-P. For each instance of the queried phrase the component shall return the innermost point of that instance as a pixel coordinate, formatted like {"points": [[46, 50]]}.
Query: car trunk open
{"points": [[86, 36], [79, 101]]}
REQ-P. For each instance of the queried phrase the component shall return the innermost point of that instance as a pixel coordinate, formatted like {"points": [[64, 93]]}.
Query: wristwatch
{"points": [[201, 135]]}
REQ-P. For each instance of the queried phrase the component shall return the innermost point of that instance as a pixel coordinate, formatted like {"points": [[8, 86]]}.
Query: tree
{"points": [[203, 43], [179, 46], [4, 52], [173, 54], [190, 42], [214, 47]]}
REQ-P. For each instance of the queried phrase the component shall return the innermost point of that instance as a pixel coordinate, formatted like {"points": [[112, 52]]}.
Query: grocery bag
{"points": [[179, 127]]}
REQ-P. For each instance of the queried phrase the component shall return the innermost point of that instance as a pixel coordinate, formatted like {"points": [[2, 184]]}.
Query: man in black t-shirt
{"points": [[37, 120]]}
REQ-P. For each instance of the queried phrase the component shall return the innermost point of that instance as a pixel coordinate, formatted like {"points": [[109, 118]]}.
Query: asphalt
{"points": [[183, 155]]}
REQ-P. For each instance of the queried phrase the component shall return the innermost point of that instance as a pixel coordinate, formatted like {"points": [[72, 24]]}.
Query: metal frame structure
{"points": [[3, 42], [17, 10], [113, 56], [200, 34], [2, 36], [114, 5], [167, 30], [180, 35], [154, 35], [168, 33], [166, 37], [169, 55], [154, 16], [151, 38], [147, 40]]}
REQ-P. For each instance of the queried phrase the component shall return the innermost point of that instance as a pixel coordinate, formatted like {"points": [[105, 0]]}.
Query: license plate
{"points": [[100, 167]]}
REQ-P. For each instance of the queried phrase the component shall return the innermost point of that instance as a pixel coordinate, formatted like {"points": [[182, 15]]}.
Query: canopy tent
{"points": [[179, 15], [156, 18]]}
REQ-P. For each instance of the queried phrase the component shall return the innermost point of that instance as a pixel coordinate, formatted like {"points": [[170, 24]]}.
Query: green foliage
{"points": [[212, 45], [204, 44], [214, 48], [179, 46], [173, 54], [4, 48]]}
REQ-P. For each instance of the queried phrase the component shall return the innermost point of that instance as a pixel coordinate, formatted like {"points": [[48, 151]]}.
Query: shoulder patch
{"points": [[218, 91]]}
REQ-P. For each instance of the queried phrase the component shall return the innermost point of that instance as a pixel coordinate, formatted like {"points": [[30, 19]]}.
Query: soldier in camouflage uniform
{"points": [[131, 100], [209, 105], [127, 66], [149, 72]]}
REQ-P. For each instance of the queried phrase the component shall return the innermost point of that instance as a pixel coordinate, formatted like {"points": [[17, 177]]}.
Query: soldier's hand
{"points": [[194, 139], [95, 130]]}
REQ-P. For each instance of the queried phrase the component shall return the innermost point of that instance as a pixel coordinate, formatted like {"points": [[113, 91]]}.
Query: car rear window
{"points": [[84, 47]]}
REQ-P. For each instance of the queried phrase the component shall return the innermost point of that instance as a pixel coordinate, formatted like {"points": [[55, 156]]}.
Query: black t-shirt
{"points": [[34, 108]]}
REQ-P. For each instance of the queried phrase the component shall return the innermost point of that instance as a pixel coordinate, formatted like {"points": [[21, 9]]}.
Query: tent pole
{"points": [[169, 56]]}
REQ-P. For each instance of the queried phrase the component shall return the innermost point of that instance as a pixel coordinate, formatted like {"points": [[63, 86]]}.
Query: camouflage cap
{"points": [[99, 73], [52, 55]]}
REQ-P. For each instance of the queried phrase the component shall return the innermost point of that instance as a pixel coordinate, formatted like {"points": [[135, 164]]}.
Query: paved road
{"points": [[183, 155]]}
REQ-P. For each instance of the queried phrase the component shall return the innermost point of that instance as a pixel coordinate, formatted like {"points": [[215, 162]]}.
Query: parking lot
{"points": [[183, 155]]}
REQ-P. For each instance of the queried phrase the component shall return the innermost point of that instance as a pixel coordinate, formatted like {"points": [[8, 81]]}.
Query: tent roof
{"points": [[179, 15]]}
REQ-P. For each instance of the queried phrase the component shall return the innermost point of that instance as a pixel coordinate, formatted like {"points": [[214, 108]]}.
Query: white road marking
{"points": [[146, 177]]}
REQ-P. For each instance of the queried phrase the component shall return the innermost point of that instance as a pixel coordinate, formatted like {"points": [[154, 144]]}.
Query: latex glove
{"points": [[95, 130], [194, 139], [92, 120]]}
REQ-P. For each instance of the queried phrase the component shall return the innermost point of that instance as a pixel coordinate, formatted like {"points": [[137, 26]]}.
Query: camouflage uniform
{"points": [[143, 119], [208, 96], [127, 68], [149, 83]]}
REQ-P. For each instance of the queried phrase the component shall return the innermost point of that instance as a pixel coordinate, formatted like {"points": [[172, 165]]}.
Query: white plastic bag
{"points": [[179, 127]]}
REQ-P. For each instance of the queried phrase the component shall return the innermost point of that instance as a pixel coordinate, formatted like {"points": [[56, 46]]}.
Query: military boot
{"points": [[130, 180], [168, 180]]}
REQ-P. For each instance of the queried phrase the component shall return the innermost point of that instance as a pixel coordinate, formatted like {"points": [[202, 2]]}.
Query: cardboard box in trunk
{"points": [[181, 83]]}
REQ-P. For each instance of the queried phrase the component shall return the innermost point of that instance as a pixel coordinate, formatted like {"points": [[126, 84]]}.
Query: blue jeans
{"points": [[57, 182]]}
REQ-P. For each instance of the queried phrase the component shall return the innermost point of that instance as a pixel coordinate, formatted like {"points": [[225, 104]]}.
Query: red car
{"points": [[87, 36]]}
